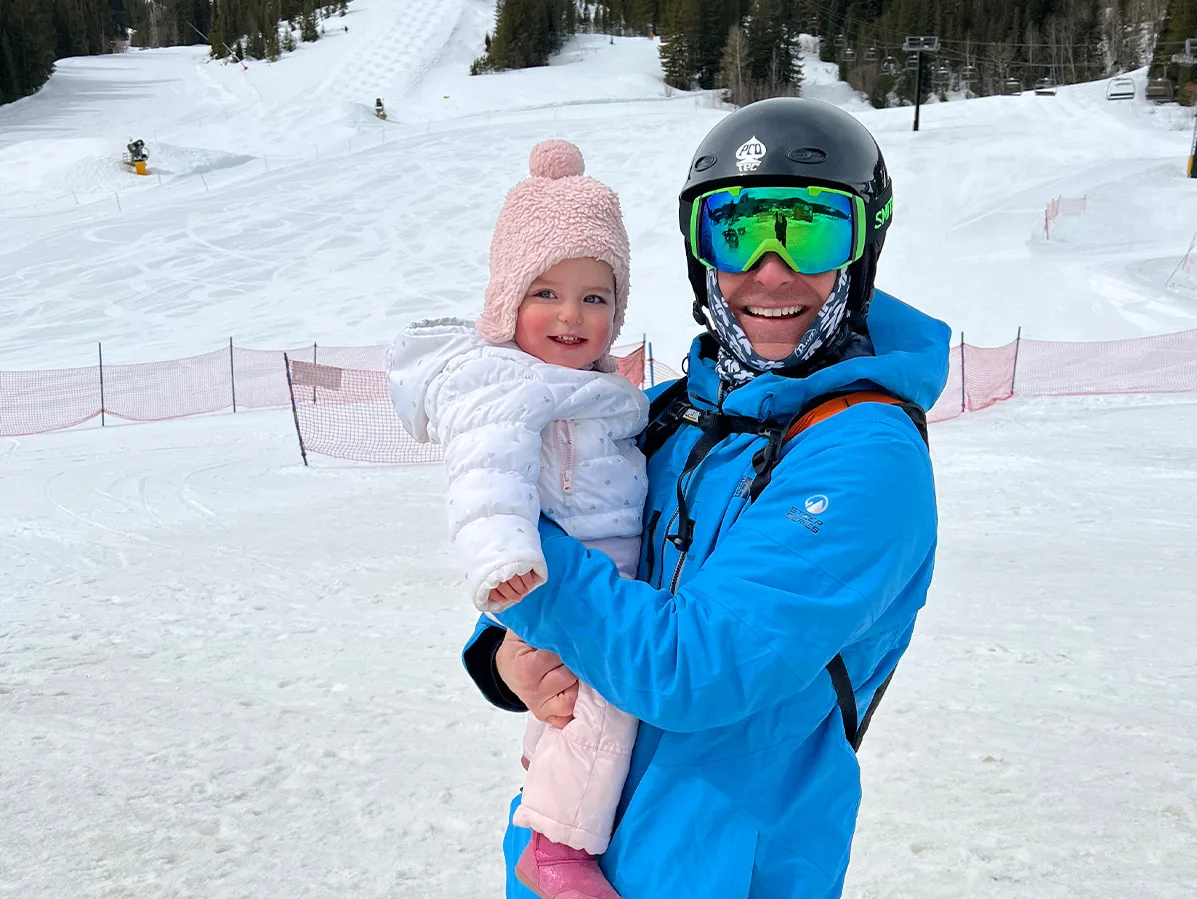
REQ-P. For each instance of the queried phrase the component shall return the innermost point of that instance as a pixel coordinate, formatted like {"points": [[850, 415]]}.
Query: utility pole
{"points": [[919, 44]]}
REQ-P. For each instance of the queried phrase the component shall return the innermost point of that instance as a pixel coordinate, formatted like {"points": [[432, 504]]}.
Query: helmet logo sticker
{"points": [[750, 155]]}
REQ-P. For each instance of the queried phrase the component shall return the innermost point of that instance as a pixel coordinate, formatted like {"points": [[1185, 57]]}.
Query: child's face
{"points": [[567, 313]]}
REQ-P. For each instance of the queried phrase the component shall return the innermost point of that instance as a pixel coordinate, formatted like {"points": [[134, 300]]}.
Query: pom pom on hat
{"points": [[558, 213], [556, 159]]}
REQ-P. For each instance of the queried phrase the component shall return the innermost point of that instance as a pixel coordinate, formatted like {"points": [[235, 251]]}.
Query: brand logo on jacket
{"points": [[817, 504], [806, 519], [750, 155]]}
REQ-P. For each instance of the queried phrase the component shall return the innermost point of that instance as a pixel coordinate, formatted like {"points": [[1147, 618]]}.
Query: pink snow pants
{"points": [[576, 773]]}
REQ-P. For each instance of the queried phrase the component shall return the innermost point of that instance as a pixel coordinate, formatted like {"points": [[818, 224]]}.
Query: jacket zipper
{"points": [[563, 431], [664, 540], [650, 558], [677, 572]]}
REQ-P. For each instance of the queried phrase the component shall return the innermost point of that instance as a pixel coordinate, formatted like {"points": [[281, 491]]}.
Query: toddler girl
{"points": [[531, 415]]}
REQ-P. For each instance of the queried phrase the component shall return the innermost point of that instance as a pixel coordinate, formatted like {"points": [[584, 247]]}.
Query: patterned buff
{"points": [[742, 363]]}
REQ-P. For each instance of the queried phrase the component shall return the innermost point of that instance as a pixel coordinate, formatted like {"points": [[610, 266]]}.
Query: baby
{"points": [[533, 418]]}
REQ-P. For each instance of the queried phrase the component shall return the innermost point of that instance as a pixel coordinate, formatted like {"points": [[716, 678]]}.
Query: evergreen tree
{"points": [[1179, 25], [308, 30], [528, 32], [27, 42], [218, 36], [679, 36]]}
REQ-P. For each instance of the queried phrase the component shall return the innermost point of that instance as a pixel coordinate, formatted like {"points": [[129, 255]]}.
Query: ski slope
{"points": [[225, 675]]}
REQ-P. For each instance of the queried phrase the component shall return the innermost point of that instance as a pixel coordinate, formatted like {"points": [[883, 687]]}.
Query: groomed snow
{"points": [[225, 675]]}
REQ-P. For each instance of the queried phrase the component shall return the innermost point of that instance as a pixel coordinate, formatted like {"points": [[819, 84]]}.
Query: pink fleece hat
{"points": [[556, 214]]}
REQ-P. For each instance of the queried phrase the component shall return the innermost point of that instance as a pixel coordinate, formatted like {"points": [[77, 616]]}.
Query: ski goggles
{"points": [[813, 229]]}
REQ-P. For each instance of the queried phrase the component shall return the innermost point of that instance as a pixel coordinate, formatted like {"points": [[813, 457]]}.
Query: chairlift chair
{"points": [[1045, 87], [912, 62], [841, 42], [889, 66], [1012, 87], [871, 55], [1160, 90], [1120, 89], [942, 77], [969, 75], [849, 54]]}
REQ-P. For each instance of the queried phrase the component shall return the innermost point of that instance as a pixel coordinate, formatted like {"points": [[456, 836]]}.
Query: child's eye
{"points": [[595, 298], [545, 294]]}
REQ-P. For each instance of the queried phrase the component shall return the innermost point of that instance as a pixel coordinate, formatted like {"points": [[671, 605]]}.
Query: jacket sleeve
{"points": [[478, 657], [488, 411], [782, 593]]}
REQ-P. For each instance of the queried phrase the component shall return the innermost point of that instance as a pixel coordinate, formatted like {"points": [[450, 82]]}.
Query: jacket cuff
{"points": [[479, 660]]}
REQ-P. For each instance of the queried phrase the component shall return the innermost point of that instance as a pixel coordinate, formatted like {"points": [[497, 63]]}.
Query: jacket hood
{"points": [[419, 354], [909, 360]]}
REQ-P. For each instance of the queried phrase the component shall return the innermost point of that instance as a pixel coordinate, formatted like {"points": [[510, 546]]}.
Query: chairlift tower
{"points": [[918, 45]]}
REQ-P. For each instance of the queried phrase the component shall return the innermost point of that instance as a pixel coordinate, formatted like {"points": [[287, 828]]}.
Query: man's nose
{"points": [[771, 272]]}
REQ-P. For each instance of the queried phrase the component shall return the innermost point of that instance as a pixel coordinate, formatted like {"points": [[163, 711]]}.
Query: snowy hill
{"points": [[302, 186], [223, 674]]}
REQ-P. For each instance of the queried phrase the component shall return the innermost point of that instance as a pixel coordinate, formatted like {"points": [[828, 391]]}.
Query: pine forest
{"points": [[749, 48]]}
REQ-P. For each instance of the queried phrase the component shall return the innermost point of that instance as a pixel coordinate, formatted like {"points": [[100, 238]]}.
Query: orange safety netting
{"points": [[343, 408], [978, 377]]}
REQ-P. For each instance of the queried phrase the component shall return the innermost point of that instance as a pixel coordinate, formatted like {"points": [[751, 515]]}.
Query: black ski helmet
{"points": [[793, 140]]}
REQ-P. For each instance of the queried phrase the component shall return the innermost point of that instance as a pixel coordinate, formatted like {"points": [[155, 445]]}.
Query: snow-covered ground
{"points": [[224, 675]]}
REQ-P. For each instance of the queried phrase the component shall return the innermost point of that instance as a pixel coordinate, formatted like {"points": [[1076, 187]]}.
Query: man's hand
{"points": [[539, 679], [515, 589]]}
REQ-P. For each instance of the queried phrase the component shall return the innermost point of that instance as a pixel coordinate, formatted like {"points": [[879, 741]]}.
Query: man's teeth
{"points": [[773, 313]]}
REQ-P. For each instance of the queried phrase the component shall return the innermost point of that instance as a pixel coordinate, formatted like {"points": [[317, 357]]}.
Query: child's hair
{"points": [[558, 213]]}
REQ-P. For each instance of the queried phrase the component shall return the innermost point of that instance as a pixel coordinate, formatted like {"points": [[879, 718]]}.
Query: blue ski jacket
{"points": [[742, 782]]}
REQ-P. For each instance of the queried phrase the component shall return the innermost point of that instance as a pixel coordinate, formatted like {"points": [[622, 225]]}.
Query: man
{"points": [[784, 557]]}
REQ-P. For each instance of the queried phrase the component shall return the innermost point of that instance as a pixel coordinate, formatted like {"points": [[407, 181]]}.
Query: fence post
{"points": [[313, 363], [294, 411], [1017, 345], [118, 201], [1183, 260], [232, 376], [652, 374], [963, 403], [100, 347]]}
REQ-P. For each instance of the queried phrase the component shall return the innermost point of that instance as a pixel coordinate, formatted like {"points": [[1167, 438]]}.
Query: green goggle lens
{"points": [[813, 229]]}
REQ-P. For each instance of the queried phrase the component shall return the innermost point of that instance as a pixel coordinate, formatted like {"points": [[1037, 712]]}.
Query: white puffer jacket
{"points": [[520, 435]]}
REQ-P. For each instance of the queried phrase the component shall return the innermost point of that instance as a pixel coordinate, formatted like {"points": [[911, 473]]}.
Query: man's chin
{"points": [[773, 341]]}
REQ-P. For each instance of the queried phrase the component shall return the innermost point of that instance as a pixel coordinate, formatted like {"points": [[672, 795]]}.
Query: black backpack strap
{"points": [[715, 428], [868, 718], [845, 697], [665, 416]]}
